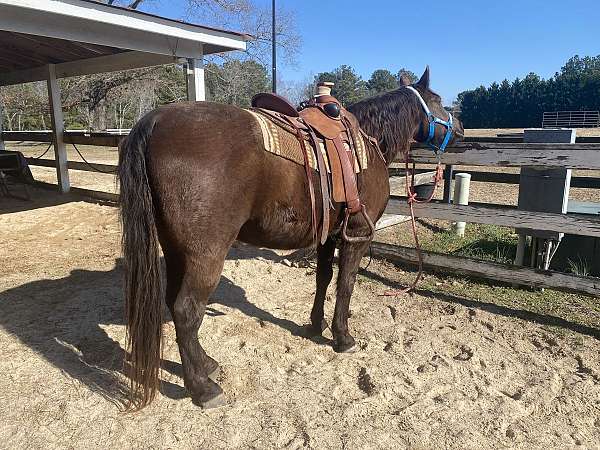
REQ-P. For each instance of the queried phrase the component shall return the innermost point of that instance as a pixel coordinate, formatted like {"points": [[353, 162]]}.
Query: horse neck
{"points": [[400, 146], [393, 121]]}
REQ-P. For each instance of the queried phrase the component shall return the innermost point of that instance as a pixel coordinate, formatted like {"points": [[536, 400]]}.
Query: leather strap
{"points": [[307, 170], [339, 194], [311, 188], [348, 177], [324, 185]]}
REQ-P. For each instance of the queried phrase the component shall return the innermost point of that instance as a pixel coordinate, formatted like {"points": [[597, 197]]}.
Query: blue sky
{"points": [[466, 43]]}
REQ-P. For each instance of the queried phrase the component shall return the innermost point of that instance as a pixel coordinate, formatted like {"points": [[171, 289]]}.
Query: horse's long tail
{"points": [[141, 251]]}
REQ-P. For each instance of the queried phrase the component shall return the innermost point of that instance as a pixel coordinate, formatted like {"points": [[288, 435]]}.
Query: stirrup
{"points": [[354, 239]]}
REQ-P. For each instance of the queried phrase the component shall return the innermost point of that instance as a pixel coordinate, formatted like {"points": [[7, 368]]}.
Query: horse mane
{"points": [[391, 118]]}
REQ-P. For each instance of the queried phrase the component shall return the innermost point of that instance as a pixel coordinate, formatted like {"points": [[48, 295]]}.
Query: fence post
{"points": [[461, 197], [448, 174]]}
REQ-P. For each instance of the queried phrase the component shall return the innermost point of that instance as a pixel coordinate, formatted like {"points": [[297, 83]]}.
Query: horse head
{"points": [[438, 127]]}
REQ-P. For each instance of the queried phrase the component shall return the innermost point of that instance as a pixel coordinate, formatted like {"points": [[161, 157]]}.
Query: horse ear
{"points": [[424, 81], [404, 80]]}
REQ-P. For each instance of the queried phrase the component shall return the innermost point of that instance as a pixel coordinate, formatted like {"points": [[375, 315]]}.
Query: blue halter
{"points": [[432, 121]]}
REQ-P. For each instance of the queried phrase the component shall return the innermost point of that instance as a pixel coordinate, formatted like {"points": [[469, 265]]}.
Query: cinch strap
{"points": [[432, 121]]}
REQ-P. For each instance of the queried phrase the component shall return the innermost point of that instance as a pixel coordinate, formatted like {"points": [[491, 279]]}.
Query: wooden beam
{"points": [[389, 220], [100, 140], [196, 90], [571, 156], [398, 182], [69, 137], [58, 126], [74, 165], [514, 178], [489, 139], [519, 138], [490, 270], [502, 216], [31, 136]]}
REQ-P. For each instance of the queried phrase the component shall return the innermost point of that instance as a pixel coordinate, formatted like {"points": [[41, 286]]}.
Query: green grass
{"points": [[579, 267], [484, 242]]}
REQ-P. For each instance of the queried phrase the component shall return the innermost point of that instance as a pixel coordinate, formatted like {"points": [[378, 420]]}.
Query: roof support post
{"points": [[58, 128], [196, 90]]}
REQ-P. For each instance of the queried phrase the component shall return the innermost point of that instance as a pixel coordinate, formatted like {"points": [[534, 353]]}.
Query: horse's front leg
{"points": [[325, 254], [350, 256]]}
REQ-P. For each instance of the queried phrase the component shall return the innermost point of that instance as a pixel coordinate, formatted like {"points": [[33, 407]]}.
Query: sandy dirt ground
{"points": [[432, 370]]}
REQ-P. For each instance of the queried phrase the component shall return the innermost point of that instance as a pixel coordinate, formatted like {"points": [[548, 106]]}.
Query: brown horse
{"points": [[194, 178]]}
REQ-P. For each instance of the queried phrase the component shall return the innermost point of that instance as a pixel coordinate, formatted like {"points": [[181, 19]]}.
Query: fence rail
{"points": [[504, 154], [70, 137], [582, 224], [489, 270], [572, 156]]}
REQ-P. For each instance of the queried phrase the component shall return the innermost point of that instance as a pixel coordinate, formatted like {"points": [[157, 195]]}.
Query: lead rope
{"points": [[412, 199]]}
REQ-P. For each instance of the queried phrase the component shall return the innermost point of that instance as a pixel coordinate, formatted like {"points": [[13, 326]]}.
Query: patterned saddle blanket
{"points": [[281, 139]]}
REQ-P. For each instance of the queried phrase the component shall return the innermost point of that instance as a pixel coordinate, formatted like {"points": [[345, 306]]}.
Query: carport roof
{"points": [[84, 36]]}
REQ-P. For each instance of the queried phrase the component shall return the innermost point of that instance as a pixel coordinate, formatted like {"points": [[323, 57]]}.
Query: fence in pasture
{"points": [[571, 119], [504, 154], [499, 153], [101, 139]]}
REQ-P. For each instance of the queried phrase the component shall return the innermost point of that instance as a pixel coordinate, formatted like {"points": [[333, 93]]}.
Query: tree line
{"points": [[522, 102], [119, 99]]}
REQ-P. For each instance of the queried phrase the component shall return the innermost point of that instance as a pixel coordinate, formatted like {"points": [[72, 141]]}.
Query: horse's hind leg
{"points": [[325, 254], [175, 272], [201, 276], [350, 256]]}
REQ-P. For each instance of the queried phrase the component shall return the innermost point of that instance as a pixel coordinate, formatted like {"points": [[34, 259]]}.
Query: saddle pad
{"points": [[280, 139]]}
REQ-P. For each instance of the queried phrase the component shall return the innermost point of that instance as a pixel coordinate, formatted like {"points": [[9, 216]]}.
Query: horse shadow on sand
{"points": [[64, 321]]}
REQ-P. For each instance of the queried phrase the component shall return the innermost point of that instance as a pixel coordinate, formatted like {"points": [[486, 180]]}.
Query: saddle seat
{"points": [[274, 102], [324, 117]]}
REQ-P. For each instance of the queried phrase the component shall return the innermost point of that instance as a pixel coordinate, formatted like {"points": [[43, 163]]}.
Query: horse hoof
{"points": [[213, 403], [211, 400], [352, 349], [345, 348], [215, 374], [211, 397]]}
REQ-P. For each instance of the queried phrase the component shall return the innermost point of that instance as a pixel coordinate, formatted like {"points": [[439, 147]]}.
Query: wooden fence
{"points": [[510, 152], [504, 154], [76, 138]]}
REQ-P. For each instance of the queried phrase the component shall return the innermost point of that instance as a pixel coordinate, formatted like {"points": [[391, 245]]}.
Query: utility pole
{"points": [[274, 58]]}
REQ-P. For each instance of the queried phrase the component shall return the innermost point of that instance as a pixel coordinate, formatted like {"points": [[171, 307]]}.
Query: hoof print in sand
{"points": [[365, 383], [465, 354]]}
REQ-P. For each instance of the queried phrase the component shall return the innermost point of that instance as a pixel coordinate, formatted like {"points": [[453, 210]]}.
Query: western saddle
{"points": [[324, 117]]}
